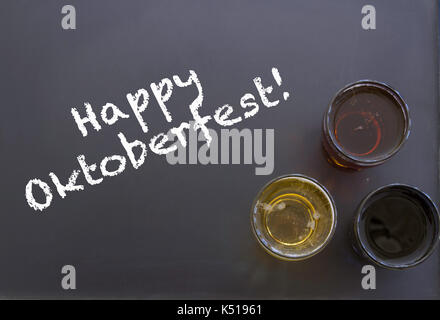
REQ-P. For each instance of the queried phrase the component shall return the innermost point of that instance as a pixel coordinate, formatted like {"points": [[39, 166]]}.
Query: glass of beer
{"points": [[396, 227], [293, 217], [366, 123]]}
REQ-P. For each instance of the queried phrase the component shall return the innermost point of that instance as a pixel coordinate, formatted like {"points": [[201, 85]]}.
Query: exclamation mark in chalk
{"points": [[279, 81]]}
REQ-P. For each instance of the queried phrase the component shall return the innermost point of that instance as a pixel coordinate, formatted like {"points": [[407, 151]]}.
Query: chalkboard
{"points": [[183, 230]]}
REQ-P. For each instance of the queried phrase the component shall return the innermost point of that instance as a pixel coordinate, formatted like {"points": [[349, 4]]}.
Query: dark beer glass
{"points": [[396, 227]]}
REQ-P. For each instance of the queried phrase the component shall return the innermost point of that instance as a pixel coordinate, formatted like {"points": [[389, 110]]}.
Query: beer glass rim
{"points": [[399, 101], [436, 218], [318, 248]]}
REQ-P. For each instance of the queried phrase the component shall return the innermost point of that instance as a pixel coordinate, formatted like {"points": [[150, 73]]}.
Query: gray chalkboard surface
{"points": [[183, 230]]}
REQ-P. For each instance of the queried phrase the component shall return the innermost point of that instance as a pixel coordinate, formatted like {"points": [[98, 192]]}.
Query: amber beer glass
{"points": [[366, 123]]}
